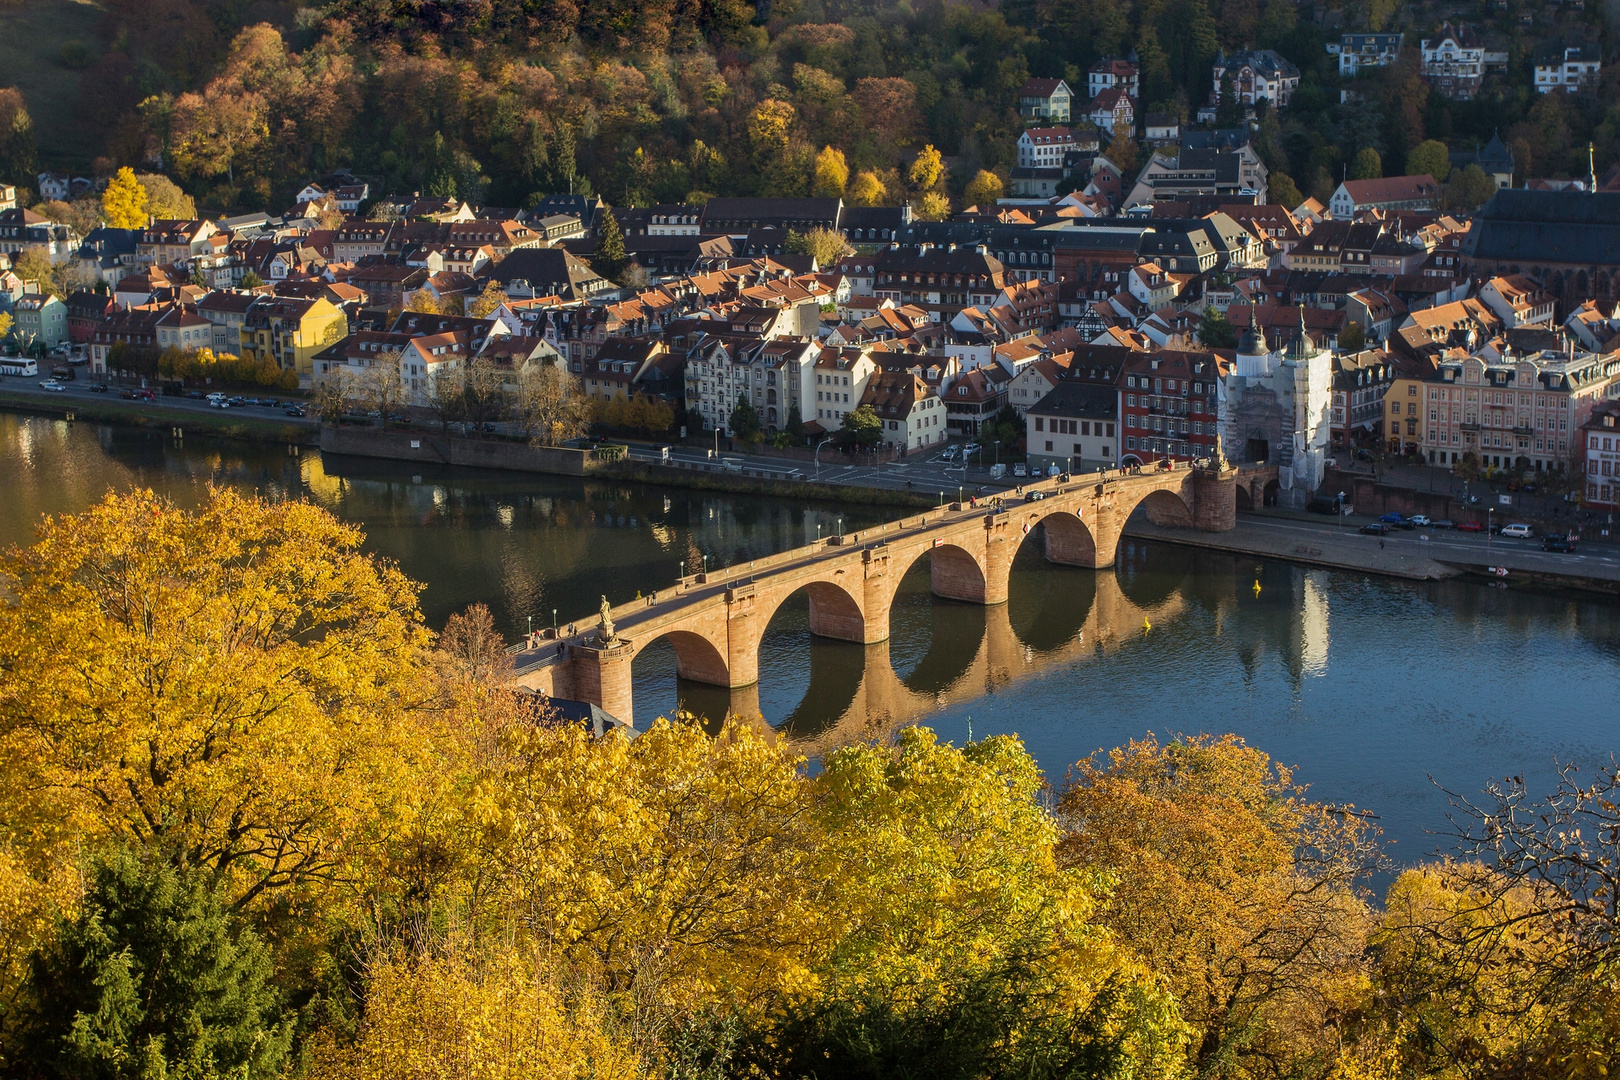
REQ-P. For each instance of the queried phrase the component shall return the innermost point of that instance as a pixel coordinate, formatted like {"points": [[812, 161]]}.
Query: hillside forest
{"points": [[496, 101]]}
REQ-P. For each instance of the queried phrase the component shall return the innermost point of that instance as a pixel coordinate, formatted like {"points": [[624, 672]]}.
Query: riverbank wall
{"points": [[431, 449], [1353, 552], [154, 416], [734, 484]]}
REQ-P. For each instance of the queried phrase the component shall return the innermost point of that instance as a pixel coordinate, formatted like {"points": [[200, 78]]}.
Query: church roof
{"points": [[1546, 226]]}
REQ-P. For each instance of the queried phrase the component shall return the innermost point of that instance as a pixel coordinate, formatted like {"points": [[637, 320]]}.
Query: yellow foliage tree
{"points": [[933, 206], [227, 687], [1257, 943], [927, 169], [123, 204], [485, 303], [831, 174], [867, 190], [671, 865], [983, 190], [769, 126], [502, 1013]]}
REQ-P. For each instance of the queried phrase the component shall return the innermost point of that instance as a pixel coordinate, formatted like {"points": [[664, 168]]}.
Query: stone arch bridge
{"points": [[715, 621]]}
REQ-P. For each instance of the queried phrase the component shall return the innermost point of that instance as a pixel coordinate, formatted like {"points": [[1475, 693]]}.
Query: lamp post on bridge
{"points": [[554, 624], [683, 573]]}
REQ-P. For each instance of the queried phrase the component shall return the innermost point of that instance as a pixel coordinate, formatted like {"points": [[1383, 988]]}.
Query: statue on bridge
{"points": [[605, 638], [1217, 457]]}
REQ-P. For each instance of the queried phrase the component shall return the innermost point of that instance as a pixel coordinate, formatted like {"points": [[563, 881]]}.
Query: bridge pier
{"points": [[602, 676]]}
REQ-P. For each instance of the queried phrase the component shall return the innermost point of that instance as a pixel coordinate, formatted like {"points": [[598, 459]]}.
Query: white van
{"points": [[732, 464], [1520, 531], [1020, 470]]}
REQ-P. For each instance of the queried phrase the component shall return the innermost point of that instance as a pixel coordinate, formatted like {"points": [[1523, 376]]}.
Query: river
{"points": [[1376, 690]]}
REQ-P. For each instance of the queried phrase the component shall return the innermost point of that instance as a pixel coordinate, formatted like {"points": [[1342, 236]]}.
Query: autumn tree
{"points": [[831, 174], [380, 386], [826, 245], [123, 203], [867, 190], [492, 1007], [33, 264], [226, 689], [927, 170], [983, 190], [933, 206], [486, 302], [1123, 151], [551, 405], [1245, 895], [952, 942], [164, 199]]}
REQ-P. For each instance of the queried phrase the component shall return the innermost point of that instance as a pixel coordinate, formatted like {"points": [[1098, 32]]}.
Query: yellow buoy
{"points": [[1146, 626], [1257, 588]]}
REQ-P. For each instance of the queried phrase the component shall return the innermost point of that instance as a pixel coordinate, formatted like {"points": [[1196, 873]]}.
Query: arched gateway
{"points": [[715, 621]]}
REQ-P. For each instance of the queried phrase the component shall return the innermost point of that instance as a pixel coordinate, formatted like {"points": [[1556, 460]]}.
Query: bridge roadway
{"points": [[715, 621]]}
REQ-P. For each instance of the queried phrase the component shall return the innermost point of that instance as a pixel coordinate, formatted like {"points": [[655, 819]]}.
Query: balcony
{"points": [[1524, 429]]}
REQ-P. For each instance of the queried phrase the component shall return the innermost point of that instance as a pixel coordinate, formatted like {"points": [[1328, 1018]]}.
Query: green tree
{"points": [[123, 204], [860, 428], [1469, 189], [1123, 151], [1353, 339], [251, 280], [795, 422], [152, 978], [1215, 331], [1429, 156], [1001, 432], [1367, 165], [610, 254], [1282, 190], [744, 421]]}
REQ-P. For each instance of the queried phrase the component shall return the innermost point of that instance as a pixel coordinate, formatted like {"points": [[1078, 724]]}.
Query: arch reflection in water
{"points": [[940, 652]]}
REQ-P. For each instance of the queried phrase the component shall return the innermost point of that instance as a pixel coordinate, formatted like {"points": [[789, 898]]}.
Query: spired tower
{"points": [[1309, 371]]}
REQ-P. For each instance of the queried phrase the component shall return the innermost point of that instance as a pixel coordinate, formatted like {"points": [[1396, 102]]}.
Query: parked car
{"points": [[1565, 544], [1518, 531], [194, 395], [1470, 526], [1421, 521], [127, 394], [97, 388], [1391, 519], [1377, 528], [1020, 470], [270, 402], [53, 386], [1035, 496], [1445, 523], [294, 410]]}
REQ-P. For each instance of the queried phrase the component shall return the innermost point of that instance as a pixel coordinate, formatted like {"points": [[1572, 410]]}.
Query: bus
{"points": [[13, 365]]}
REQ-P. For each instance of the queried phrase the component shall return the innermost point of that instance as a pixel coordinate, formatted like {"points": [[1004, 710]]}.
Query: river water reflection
{"points": [[1369, 686]]}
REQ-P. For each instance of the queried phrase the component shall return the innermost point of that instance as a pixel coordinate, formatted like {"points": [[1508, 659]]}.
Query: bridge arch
{"points": [[954, 573], [1066, 539], [1164, 506]]}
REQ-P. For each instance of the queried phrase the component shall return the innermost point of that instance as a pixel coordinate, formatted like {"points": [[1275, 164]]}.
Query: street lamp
{"points": [[1341, 508], [705, 566], [818, 532], [553, 622], [531, 626], [840, 526], [683, 571], [1489, 510]]}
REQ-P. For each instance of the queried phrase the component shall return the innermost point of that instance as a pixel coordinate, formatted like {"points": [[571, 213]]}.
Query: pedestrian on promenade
{"points": [[1380, 545]]}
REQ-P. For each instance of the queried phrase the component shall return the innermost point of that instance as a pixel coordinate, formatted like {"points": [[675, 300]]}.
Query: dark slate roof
{"points": [[1080, 398], [1547, 226]]}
